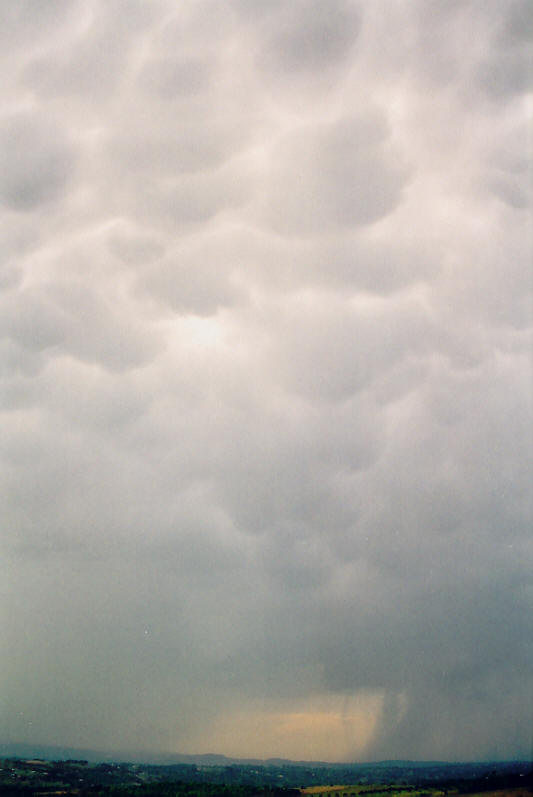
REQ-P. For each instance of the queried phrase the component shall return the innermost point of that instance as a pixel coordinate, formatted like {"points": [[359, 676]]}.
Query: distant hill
{"points": [[61, 753]]}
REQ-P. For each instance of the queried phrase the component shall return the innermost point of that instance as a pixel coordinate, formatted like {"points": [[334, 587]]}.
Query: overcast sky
{"points": [[266, 376]]}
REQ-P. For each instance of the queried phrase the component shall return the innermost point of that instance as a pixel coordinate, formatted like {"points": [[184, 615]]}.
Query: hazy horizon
{"points": [[266, 386], [165, 756]]}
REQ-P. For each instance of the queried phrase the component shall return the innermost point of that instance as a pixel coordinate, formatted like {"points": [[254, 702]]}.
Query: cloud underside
{"points": [[265, 314]]}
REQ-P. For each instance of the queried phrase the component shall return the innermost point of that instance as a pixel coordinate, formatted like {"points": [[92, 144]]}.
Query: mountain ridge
{"points": [[63, 752]]}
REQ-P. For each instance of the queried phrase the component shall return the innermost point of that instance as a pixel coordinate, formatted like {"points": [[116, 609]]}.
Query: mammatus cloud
{"points": [[37, 161], [329, 177], [266, 377]]}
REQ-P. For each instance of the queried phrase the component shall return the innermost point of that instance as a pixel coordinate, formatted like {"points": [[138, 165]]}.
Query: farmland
{"points": [[43, 778]]}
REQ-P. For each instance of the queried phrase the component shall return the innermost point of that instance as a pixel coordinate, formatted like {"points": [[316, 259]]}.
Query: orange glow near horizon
{"points": [[329, 728]]}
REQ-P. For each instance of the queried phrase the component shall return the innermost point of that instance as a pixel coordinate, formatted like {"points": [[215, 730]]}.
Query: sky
{"points": [[266, 377]]}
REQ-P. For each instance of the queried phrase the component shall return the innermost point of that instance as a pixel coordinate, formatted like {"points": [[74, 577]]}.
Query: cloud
{"points": [[311, 36], [328, 177], [89, 61], [28, 20], [506, 69], [69, 318], [37, 161], [175, 77], [265, 304], [336, 351]]}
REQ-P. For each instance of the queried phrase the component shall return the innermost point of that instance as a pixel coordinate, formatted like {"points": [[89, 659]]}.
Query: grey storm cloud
{"points": [[310, 36], [334, 176], [266, 386], [37, 160]]}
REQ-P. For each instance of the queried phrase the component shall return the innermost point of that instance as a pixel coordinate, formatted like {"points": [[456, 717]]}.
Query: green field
{"points": [[377, 790]]}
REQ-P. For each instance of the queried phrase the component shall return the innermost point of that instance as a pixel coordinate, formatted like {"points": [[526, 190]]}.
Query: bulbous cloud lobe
{"points": [[266, 319], [332, 177], [37, 161]]}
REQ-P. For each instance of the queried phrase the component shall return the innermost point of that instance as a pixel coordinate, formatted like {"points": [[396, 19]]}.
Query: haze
{"points": [[266, 377]]}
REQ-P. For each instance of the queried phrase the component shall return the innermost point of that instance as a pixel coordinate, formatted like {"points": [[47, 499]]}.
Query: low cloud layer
{"points": [[266, 391]]}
